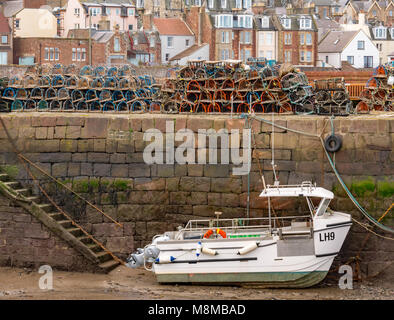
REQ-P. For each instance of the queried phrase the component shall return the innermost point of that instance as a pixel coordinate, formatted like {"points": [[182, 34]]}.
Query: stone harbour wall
{"points": [[101, 157]]}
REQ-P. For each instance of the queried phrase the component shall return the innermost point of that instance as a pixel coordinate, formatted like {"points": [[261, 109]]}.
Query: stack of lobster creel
{"points": [[65, 88], [379, 91], [231, 86]]}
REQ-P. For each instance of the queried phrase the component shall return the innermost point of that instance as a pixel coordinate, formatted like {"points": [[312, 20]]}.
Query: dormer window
{"points": [[223, 4], [247, 4], [224, 21], [210, 4], [305, 23], [380, 33], [265, 22], [238, 4], [286, 22], [197, 3]]}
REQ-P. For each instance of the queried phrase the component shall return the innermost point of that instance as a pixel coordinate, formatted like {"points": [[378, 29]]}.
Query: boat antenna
{"points": [[276, 182]]}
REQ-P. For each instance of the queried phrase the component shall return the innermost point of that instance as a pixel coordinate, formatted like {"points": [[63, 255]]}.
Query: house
{"points": [[227, 26], [390, 57], [375, 11], [96, 14], [144, 47], [107, 47], [6, 43], [195, 52], [164, 9], [175, 36], [297, 40], [266, 37], [325, 26], [325, 9], [355, 47], [35, 23], [383, 38]]}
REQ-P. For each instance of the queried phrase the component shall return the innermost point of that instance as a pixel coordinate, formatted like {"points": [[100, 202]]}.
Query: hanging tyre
{"points": [[333, 143]]}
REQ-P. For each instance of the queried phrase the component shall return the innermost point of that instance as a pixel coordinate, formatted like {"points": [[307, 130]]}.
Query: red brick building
{"points": [[107, 48], [6, 41], [297, 39]]}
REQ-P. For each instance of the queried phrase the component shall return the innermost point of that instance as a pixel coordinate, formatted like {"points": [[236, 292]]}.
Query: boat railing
{"points": [[242, 223]]}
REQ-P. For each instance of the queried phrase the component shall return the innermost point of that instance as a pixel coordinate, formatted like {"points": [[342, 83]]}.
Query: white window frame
{"points": [[265, 22], [4, 37], [223, 4], [302, 39], [308, 56], [224, 21], [170, 42], [210, 4], [247, 4], [305, 23], [380, 33], [238, 4], [288, 38], [286, 22], [358, 45], [308, 39]]}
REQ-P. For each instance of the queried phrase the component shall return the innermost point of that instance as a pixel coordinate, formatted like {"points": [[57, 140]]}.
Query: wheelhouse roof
{"points": [[296, 191]]}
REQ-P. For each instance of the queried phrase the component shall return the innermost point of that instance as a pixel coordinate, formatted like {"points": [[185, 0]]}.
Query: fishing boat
{"points": [[286, 251]]}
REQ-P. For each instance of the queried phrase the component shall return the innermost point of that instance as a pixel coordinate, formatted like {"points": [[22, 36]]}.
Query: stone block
{"points": [[59, 169], [139, 170], [74, 169], [179, 198], [101, 169], [99, 145], [119, 170], [199, 123], [172, 184], [98, 157], [73, 132], [85, 145], [86, 169], [95, 128], [149, 184], [226, 185], [194, 184], [195, 170], [216, 170], [41, 132], [68, 145]]}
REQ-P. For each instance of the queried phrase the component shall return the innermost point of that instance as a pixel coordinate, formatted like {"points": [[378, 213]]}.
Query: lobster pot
{"points": [[42, 105], [37, 93], [100, 71], [122, 106], [109, 106], [44, 81], [82, 106], [30, 105], [95, 106], [17, 105], [86, 71], [138, 106], [63, 94], [68, 105], [55, 105], [58, 81], [50, 94]]}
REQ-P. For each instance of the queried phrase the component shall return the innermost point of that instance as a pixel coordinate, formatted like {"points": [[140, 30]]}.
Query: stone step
{"points": [[56, 216], [24, 191], [12, 184], [75, 231], [103, 256], [94, 247], [66, 224], [46, 207], [34, 199], [109, 265]]}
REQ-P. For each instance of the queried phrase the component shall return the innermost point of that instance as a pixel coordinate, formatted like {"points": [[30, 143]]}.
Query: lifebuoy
{"points": [[333, 143], [218, 231]]}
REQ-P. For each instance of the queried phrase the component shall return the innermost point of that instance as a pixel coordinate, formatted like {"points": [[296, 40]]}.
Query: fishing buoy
{"points": [[198, 250], [165, 260], [250, 247], [209, 251]]}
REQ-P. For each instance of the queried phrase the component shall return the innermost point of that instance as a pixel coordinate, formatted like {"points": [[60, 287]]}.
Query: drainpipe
{"points": [[200, 26], [90, 39]]}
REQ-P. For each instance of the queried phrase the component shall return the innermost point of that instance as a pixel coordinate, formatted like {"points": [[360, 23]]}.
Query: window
{"points": [[264, 22], [308, 39], [325, 12], [247, 4], [74, 54], [17, 23], [309, 56], [225, 54], [135, 40], [224, 21], [210, 4], [117, 11], [391, 13], [268, 54], [3, 57], [140, 3], [302, 39], [187, 42], [83, 58], [152, 41], [302, 56], [108, 11], [247, 37], [305, 23], [379, 46], [247, 54], [197, 3], [287, 38], [76, 26], [288, 56], [167, 56], [268, 38], [368, 61], [374, 13], [76, 11], [326, 59], [4, 39], [130, 27], [170, 42], [380, 33], [116, 44], [51, 54], [286, 23], [131, 12], [238, 4], [225, 37], [223, 4], [360, 45], [350, 59]]}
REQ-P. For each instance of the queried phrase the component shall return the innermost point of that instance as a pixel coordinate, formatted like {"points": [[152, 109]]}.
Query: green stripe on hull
{"points": [[264, 279]]}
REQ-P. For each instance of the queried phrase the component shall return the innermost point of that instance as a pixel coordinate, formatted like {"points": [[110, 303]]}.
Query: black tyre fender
{"points": [[333, 143]]}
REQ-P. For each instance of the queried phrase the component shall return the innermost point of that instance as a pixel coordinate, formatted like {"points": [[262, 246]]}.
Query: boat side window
{"points": [[322, 206]]}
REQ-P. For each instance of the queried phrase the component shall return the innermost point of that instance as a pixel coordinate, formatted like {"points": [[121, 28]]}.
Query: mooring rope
{"points": [[350, 195]]}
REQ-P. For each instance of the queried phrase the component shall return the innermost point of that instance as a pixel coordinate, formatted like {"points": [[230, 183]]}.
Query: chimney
{"points": [[147, 21], [361, 18]]}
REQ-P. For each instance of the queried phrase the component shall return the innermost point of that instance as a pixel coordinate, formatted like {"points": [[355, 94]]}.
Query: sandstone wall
{"points": [[101, 157]]}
